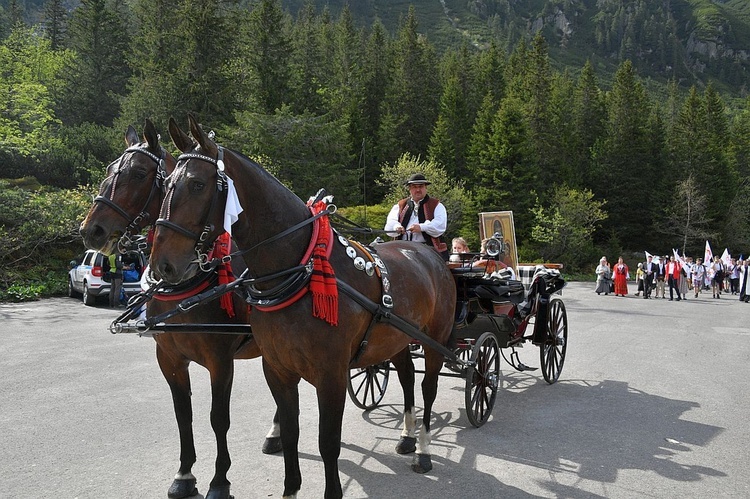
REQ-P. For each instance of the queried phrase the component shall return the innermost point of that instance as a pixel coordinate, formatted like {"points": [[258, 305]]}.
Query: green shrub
{"points": [[21, 292]]}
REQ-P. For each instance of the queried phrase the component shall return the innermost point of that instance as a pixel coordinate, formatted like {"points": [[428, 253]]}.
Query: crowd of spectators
{"points": [[677, 277]]}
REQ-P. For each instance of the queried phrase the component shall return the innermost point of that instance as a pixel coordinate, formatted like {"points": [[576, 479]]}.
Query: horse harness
{"points": [[297, 278], [134, 225], [202, 249]]}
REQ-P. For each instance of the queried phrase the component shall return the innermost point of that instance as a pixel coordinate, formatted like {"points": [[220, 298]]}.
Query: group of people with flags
{"points": [[678, 275]]}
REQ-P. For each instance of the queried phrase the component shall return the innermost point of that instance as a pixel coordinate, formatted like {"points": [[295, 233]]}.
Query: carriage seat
{"points": [[500, 291]]}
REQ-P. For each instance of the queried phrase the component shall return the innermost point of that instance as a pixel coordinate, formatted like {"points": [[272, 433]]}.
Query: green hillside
{"points": [[693, 41]]}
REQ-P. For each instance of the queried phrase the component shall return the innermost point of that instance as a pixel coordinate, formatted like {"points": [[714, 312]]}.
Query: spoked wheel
{"points": [[367, 385], [482, 379], [552, 351]]}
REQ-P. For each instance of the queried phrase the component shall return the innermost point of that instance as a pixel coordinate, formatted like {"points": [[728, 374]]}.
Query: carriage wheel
{"points": [[367, 385], [482, 379], [552, 351]]}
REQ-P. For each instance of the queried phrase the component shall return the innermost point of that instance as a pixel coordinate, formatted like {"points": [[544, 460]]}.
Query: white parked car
{"points": [[89, 275]]}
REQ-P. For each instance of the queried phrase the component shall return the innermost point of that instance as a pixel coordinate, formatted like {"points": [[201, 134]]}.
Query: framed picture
{"points": [[501, 222]]}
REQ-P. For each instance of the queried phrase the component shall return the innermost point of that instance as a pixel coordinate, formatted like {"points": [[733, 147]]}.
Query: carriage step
{"points": [[523, 367]]}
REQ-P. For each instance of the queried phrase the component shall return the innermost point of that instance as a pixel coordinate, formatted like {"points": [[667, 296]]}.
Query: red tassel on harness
{"points": [[323, 286], [221, 249]]}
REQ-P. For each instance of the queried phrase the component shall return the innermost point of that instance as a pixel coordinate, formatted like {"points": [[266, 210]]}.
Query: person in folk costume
{"points": [[621, 276], [639, 279], [717, 282], [733, 272], [603, 273], [684, 279], [649, 272], [744, 271], [419, 217], [673, 277], [699, 275]]}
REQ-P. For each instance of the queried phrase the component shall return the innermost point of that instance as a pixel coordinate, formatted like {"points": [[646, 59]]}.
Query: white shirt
{"points": [[435, 227]]}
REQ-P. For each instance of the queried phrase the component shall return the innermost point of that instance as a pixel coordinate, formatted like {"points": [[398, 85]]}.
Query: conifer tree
{"points": [[477, 154], [55, 23], [589, 115], [489, 75], [97, 76], [375, 81], [412, 97], [622, 157], [266, 52], [739, 142], [506, 180], [153, 57], [450, 137], [306, 66]]}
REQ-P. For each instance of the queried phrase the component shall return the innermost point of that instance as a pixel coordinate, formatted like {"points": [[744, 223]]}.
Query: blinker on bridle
{"points": [[134, 226], [201, 247]]}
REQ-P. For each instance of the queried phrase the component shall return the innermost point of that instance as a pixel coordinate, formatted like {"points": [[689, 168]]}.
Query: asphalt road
{"points": [[652, 402]]}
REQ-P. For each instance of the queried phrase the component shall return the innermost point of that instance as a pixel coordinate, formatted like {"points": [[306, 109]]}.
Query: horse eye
{"points": [[139, 174], [197, 186]]}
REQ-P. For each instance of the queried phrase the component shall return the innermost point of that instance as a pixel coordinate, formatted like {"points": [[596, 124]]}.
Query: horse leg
{"points": [[272, 444], [331, 401], [405, 368], [285, 392], [433, 363], [222, 375], [175, 371]]}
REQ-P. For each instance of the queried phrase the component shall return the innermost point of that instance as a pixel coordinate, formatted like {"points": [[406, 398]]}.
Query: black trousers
{"points": [[648, 283], [674, 284]]}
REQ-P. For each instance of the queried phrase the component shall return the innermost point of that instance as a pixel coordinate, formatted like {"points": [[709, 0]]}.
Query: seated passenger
{"points": [[459, 245]]}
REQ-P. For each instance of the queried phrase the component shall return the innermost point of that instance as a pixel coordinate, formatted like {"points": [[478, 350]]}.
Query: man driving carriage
{"points": [[419, 217]]}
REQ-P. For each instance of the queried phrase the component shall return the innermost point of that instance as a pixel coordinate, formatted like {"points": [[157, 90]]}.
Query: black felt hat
{"points": [[417, 178]]}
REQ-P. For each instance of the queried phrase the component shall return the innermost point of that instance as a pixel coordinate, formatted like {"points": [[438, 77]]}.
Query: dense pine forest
{"points": [[618, 152]]}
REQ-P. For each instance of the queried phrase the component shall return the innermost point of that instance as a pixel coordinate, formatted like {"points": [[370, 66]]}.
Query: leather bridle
{"points": [[202, 245], [134, 225]]}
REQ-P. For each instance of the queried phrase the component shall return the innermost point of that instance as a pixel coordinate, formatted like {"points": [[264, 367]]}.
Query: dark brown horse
{"points": [[295, 345], [129, 200]]}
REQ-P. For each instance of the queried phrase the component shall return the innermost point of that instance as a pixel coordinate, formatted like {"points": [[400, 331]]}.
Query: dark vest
{"points": [[425, 212]]}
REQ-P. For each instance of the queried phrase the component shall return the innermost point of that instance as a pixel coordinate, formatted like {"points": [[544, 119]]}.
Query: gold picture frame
{"points": [[501, 222]]}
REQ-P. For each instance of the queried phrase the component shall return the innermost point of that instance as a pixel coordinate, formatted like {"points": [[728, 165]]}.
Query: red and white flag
{"points": [[708, 255], [726, 257]]}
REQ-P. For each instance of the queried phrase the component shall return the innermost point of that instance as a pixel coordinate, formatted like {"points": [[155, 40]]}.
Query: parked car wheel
{"points": [[88, 298], [72, 293]]}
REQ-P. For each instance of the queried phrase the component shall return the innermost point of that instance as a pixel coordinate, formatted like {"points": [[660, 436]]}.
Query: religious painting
{"points": [[501, 223]]}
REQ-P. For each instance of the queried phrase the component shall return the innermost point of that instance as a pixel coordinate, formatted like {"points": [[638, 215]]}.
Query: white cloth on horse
{"points": [[233, 208]]}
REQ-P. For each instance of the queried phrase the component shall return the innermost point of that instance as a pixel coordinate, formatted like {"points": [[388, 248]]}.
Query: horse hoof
{"points": [[422, 463], [221, 492], [272, 445], [406, 445], [182, 488]]}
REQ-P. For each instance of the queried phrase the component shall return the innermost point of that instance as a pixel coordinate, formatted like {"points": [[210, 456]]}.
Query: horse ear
{"points": [[149, 132], [131, 136], [204, 141], [181, 140]]}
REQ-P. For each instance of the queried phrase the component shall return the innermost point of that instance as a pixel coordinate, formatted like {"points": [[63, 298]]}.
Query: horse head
{"points": [[192, 213], [130, 195]]}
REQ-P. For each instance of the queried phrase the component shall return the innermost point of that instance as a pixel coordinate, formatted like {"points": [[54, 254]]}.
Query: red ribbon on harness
{"points": [[325, 293], [222, 245]]}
